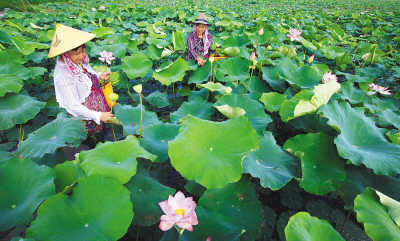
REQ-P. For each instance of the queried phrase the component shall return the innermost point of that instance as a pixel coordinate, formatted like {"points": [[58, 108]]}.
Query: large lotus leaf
{"points": [[360, 140], [272, 100], [201, 74], [394, 137], [304, 77], [154, 52], [23, 46], [156, 139], [212, 86], [332, 52], [18, 109], [103, 31], [23, 186], [377, 222], [172, 73], [308, 101], [304, 227], [272, 76], [178, 40], [233, 69], [99, 209], [114, 159], [322, 168], [211, 153], [254, 110], [60, 132], [10, 83], [136, 65], [393, 206], [130, 118], [389, 117], [196, 107], [349, 92], [229, 111], [158, 99], [146, 193], [239, 204], [270, 163], [66, 174], [359, 178]]}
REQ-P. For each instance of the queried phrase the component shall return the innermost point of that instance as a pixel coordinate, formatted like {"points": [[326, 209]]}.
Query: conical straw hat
{"points": [[67, 38]]}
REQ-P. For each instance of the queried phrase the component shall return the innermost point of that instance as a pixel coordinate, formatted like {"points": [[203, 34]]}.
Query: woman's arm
{"points": [[190, 47]]}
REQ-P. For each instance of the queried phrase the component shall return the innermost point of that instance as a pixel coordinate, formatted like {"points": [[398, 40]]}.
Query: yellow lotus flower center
{"points": [[180, 211]]}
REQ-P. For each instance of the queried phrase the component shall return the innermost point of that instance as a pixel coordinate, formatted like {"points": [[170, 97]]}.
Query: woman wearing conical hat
{"points": [[76, 84], [199, 41]]}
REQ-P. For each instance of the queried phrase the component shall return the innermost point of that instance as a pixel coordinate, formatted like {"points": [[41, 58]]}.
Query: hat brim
{"points": [[201, 21]]}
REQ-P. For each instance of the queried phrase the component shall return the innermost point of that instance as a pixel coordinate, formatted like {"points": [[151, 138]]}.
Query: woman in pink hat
{"points": [[199, 41]]}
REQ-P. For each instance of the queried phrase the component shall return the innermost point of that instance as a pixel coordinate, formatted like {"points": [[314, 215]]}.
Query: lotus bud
{"points": [[211, 59], [310, 59], [138, 88], [366, 56], [269, 47], [113, 97], [228, 90], [253, 56], [261, 31]]}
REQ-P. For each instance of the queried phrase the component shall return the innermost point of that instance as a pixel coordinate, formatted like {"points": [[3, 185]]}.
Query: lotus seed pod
{"points": [[211, 59], [138, 88]]}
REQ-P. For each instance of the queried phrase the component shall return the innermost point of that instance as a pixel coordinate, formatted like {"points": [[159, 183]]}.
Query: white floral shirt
{"points": [[72, 92]]}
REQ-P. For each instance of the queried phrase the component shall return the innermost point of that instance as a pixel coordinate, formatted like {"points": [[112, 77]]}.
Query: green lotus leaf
{"points": [[360, 141], [201, 74], [156, 139], [212, 86], [270, 163], [99, 209], [304, 227], [23, 186], [211, 147], [146, 193], [393, 206], [62, 131], [172, 73], [21, 239], [231, 51], [377, 222], [304, 77], [308, 101], [23, 46], [130, 118], [332, 52], [136, 65], [230, 112], [237, 205], [107, 159], [66, 174], [154, 52], [103, 31], [178, 40], [356, 78], [254, 110], [322, 168], [233, 69], [389, 117], [196, 107], [18, 109], [5, 155], [394, 137], [349, 92], [359, 178], [272, 76], [10, 83], [158, 99], [272, 101]]}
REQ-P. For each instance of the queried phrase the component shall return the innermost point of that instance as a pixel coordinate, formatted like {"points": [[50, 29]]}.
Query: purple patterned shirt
{"points": [[196, 46]]}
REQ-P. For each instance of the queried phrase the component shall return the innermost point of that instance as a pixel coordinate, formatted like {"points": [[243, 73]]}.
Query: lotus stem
{"points": [[251, 74], [20, 135], [141, 114]]}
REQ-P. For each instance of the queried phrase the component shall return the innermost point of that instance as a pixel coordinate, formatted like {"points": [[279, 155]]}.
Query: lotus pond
{"points": [[294, 136]]}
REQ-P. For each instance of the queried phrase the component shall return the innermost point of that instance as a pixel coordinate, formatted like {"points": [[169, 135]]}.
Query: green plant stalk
{"points": [[251, 74], [141, 114], [20, 135]]}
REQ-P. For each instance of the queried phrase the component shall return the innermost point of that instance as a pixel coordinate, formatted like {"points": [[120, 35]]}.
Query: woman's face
{"points": [[77, 56], [200, 28]]}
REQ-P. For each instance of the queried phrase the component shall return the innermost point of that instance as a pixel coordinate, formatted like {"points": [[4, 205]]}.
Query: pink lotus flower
{"points": [[366, 56], [378, 89], [106, 57], [328, 76], [294, 34], [208, 238], [261, 31], [102, 8], [178, 210]]}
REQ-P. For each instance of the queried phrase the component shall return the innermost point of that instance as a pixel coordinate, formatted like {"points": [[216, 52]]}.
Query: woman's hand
{"points": [[200, 61], [105, 75], [105, 116]]}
